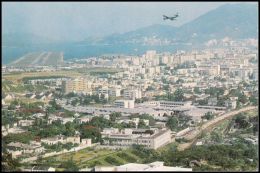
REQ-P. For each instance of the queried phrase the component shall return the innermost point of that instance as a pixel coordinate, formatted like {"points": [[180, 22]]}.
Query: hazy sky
{"points": [[78, 20]]}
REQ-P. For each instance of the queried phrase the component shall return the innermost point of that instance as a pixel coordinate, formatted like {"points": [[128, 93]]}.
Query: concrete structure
{"points": [[153, 138], [21, 148], [39, 169], [125, 103], [212, 101], [24, 123], [167, 104], [155, 166], [75, 85], [231, 103], [132, 94], [109, 91], [62, 139]]}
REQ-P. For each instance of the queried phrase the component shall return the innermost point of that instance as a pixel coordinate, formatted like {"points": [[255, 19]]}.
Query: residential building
{"points": [[132, 94], [125, 103]]}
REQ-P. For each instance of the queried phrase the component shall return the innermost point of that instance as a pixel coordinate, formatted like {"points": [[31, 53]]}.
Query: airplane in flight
{"points": [[171, 18]]}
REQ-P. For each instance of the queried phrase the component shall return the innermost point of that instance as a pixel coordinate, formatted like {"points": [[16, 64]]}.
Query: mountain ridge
{"points": [[218, 23]]}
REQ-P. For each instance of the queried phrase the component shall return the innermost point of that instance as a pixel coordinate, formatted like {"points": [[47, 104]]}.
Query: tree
{"points": [[91, 132], [208, 116], [70, 165], [216, 137], [172, 123], [70, 129], [178, 95], [242, 98], [197, 90], [253, 100], [113, 116], [241, 121], [9, 164], [142, 124]]}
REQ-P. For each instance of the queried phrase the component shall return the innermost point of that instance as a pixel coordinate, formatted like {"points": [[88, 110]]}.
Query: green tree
{"points": [[179, 95], [216, 137], [242, 98], [9, 164], [197, 90], [253, 100], [172, 123], [208, 116], [142, 124], [91, 132], [113, 116], [70, 166]]}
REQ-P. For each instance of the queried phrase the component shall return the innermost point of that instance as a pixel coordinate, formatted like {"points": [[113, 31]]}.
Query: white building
{"points": [[155, 166], [24, 123], [62, 139], [39, 169], [151, 138], [132, 94], [109, 91], [125, 103], [167, 104], [22, 148], [231, 103], [213, 101]]}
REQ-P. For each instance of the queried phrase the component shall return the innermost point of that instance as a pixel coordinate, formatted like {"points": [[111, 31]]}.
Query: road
{"points": [[193, 136]]}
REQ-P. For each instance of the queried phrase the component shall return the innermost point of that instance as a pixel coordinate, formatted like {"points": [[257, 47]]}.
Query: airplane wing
{"points": [[165, 17]]}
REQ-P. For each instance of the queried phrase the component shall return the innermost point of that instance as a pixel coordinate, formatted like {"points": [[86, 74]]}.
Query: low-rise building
{"points": [[39, 169], [62, 139], [24, 123], [231, 103], [213, 101], [151, 138], [155, 166], [17, 148]]}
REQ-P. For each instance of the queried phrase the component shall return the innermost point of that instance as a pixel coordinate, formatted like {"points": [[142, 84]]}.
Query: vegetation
{"points": [[172, 123], [208, 116], [70, 166], [178, 122], [223, 157], [22, 88], [177, 96], [113, 161], [59, 146], [214, 91], [25, 137], [86, 99], [98, 71], [9, 164], [26, 79]]}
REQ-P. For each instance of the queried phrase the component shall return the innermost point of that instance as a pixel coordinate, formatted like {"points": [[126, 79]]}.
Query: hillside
{"points": [[235, 21]]}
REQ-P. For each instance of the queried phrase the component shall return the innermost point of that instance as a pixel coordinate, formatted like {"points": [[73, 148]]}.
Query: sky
{"points": [[75, 21]]}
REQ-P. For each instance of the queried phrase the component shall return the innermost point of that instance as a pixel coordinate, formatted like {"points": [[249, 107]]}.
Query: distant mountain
{"points": [[23, 39], [236, 21]]}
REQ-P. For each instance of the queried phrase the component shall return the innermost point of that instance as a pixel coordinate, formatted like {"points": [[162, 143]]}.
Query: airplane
{"points": [[171, 18]]}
